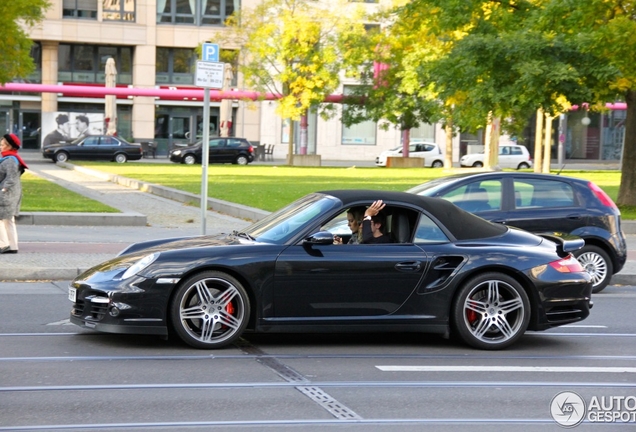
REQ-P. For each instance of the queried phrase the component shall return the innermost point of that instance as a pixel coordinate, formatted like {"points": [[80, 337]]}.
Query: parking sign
{"points": [[210, 52]]}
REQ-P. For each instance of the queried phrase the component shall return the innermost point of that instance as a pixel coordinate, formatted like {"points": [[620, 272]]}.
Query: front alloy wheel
{"points": [[210, 310], [491, 311], [598, 264], [61, 156], [189, 159]]}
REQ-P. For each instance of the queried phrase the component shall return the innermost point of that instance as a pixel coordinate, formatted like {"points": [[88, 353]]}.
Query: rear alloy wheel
{"points": [[491, 311], [598, 264], [478, 165], [241, 160], [210, 310], [438, 164], [61, 156], [189, 159], [120, 158]]}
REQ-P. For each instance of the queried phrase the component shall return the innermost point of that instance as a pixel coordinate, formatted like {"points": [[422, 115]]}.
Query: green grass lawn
{"points": [[271, 187], [40, 195]]}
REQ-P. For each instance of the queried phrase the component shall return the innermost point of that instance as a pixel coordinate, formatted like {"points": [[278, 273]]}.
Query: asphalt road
{"points": [[56, 376]]}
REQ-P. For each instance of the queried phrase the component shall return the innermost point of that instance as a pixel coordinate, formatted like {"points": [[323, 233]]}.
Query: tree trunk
{"points": [[448, 158], [547, 143], [538, 142], [627, 189], [406, 142], [290, 148]]}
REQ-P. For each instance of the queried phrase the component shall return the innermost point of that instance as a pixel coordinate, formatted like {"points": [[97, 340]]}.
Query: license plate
{"points": [[72, 294]]}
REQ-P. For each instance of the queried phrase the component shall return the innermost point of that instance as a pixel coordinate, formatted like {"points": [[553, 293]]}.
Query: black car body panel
{"points": [[221, 150], [94, 147], [296, 284], [562, 204]]}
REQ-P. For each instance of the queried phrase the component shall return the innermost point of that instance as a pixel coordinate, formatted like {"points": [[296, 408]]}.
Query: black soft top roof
{"points": [[461, 224]]}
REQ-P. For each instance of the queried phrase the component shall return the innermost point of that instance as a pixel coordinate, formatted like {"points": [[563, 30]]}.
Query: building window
{"points": [[175, 66], [118, 10], [87, 63], [197, 12], [36, 56], [363, 133], [79, 9]]}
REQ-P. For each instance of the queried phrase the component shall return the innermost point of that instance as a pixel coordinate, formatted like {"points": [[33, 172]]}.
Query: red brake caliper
{"points": [[230, 308], [471, 315]]}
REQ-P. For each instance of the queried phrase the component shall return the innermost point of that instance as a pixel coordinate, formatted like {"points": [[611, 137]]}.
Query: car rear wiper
{"points": [[243, 234]]}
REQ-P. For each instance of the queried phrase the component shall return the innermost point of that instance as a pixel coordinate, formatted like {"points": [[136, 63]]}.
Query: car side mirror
{"points": [[319, 238]]}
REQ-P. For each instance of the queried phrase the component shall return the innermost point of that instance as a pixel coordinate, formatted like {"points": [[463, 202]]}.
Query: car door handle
{"points": [[574, 217], [409, 266]]}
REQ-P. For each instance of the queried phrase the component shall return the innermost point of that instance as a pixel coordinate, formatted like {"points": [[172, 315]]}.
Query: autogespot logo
{"points": [[567, 409]]}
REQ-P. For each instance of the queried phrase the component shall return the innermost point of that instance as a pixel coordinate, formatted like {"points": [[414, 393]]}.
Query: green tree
{"points": [[393, 91], [295, 49], [605, 31], [15, 45]]}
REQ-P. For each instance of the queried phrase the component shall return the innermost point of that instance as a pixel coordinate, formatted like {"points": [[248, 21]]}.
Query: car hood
{"points": [[177, 243], [173, 250]]}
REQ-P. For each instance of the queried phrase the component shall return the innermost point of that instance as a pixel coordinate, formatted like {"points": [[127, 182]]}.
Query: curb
{"points": [[81, 219]]}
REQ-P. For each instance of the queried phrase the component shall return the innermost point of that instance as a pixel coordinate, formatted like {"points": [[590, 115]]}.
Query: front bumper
{"points": [[136, 307]]}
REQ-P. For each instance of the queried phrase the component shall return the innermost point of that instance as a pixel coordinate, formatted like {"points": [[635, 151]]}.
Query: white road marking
{"points": [[66, 321], [584, 326], [566, 369]]}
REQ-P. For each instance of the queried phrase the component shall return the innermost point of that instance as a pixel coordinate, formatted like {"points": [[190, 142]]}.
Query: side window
{"points": [[427, 231], [217, 143], [109, 141], [91, 141], [233, 142], [531, 193], [516, 151], [504, 150], [477, 197]]}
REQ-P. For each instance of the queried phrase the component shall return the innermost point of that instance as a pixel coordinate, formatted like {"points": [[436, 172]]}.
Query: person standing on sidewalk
{"points": [[11, 168]]}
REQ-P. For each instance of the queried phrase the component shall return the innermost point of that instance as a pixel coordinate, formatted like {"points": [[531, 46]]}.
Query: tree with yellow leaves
{"points": [[296, 49]]}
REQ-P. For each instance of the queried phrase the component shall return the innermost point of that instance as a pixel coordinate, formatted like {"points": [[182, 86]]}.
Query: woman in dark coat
{"points": [[11, 168]]}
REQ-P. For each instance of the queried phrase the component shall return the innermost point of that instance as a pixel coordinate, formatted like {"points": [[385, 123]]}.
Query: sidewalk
{"points": [[49, 251]]}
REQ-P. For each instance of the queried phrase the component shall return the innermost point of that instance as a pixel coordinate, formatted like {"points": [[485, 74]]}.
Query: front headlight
{"points": [[140, 265], [176, 152]]}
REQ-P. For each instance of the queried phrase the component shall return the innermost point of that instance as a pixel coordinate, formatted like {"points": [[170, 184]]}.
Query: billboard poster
{"points": [[64, 126]]}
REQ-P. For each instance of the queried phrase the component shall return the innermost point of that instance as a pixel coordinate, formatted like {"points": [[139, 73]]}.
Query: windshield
{"points": [[429, 188], [284, 224]]}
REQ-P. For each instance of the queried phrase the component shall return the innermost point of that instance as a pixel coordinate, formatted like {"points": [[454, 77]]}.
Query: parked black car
{"points": [[94, 147], [445, 271], [543, 203], [222, 150]]}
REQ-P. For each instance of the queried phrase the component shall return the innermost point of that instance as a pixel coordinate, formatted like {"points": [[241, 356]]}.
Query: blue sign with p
{"points": [[210, 52]]}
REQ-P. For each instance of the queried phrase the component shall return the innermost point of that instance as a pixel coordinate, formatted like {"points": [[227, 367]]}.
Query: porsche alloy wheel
{"points": [[210, 310], [491, 311], [598, 264]]}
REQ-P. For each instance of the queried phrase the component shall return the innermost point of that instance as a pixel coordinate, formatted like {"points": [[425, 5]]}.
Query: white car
{"points": [[510, 156], [429, 151]]}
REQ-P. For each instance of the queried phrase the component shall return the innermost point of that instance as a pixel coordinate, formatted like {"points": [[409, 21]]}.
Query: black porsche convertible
{"points": [[445, 271]]}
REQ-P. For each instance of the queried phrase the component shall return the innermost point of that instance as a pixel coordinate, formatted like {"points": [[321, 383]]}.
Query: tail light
{"points": [[601, 195], [567, 265], [250, 149]]}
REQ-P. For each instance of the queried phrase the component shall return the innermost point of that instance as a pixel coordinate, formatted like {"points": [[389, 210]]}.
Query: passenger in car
{"points": [[374, 224], [354, 220]]}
